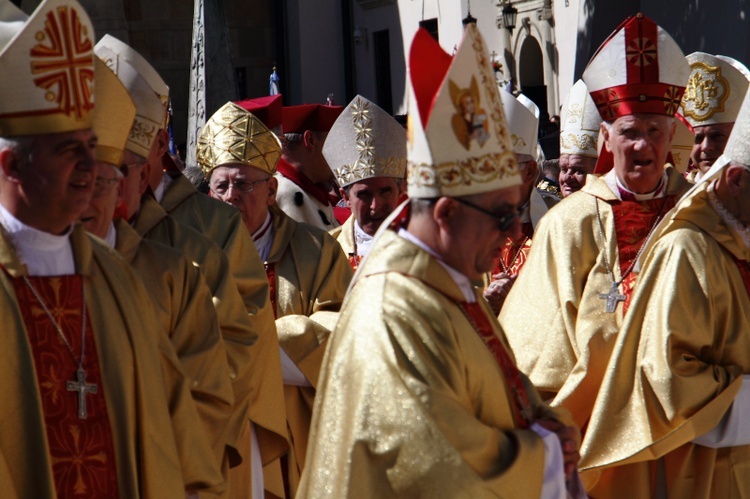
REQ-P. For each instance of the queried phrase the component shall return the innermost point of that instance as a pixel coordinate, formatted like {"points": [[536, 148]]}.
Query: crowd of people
{"points": [[330, 305]]}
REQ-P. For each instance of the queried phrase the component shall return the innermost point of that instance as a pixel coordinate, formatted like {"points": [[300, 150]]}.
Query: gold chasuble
{"points": [[128, 445], [412, 401], [344, 235], [564, 342], [262, 390], [252, 385], [310, 276], [183, 304], [676, 367]]}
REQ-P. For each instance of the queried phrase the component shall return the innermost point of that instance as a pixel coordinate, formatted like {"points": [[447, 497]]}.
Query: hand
{"points": [[498, 290], [569, 437]]}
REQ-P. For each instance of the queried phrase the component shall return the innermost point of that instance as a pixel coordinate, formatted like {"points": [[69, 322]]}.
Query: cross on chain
{"points": [[83, 389], [613, 296]]}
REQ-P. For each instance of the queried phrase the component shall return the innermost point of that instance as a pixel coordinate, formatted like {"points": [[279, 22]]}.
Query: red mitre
{"points": [[298, 119], [267, 109], [428, 67], [638, 69]]}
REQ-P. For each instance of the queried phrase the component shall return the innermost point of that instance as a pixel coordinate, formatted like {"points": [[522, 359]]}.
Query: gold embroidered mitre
{"points": [[579, 132], [458, 139], [522, 116], [235, 136], [47, 63], [113, 116], [365, 142], [715, 89]]}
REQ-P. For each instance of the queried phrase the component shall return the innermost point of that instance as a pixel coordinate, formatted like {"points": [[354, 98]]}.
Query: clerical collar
{"points": [[463, 282], [362, 240], [729, 219], [166, 180], [263, 237], [111, 237], [44, 254], [624, 194]]}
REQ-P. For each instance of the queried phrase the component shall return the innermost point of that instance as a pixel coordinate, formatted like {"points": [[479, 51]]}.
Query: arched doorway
{"points": [[531, 72]]}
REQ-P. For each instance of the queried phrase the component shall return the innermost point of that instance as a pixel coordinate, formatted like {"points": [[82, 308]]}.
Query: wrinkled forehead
{"points": [[238, 170], [643, 120]]}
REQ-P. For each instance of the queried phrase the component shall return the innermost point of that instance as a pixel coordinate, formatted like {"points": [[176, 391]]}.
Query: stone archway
{"points": [[531, 72]]}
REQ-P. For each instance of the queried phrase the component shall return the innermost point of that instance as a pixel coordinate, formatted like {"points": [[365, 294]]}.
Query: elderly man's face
{"points": [[251, 190], [98, 216], [573, 171], [372, 200], [709, 144], [640, 144], [55, 182], [134, 182]]}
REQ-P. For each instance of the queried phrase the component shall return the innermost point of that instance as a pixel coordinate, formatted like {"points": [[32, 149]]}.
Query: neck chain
{"points": [[613, 296], [506, 268]]}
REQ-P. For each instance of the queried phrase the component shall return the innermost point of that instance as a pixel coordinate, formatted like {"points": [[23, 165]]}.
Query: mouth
{"points": [[82, 184], [86, 219], [642, 163]]}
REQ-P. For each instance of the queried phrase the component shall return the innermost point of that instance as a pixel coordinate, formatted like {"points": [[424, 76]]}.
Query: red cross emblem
{"points": [[63, 59], [672, 99], [606, 101], [641, 52]]}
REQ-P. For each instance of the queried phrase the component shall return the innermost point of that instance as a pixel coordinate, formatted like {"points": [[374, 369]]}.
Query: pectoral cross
{"points": [[83, 389], [612, 296]]}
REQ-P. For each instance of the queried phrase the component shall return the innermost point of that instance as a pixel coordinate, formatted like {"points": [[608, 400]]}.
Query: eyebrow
{"points": [[93, 141]]}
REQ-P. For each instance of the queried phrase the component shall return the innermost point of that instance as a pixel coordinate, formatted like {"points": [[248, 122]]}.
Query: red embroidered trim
{"points": [[520, 403], [82, 452]]}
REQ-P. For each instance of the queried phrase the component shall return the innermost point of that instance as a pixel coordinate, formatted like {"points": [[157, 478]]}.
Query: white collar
{"points": [[463, 282], [615, 185], [44, 254], [111, 237], [166, 180], [729, 219], [263, 237], [362, 240]]}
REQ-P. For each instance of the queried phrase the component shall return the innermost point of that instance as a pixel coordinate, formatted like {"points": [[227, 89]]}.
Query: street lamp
{"points": [[509, 16], [469, 19]]}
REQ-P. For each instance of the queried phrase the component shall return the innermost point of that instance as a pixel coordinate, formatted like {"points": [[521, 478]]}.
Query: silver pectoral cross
{"points": [[83, 389], [612, 297]]}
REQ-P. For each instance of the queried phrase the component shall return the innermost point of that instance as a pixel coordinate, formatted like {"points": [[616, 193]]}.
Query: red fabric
{"points": [[642, 50], [267, 109], [354, 261], [633, 222], [341, 214], [315, 190], [298, 119], [515, 252], [82, 451], [483, 327], [744, 267], [632, 98], [271, 276], [428, 66]]}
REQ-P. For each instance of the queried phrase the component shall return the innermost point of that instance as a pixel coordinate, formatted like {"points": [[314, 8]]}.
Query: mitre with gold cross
{"points": [[47, 68], [365, 142], [233, 135]]}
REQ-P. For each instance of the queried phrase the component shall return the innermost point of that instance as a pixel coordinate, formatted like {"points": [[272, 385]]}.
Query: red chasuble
{"points": [[82, 450], [633, 223], [483, 327]]}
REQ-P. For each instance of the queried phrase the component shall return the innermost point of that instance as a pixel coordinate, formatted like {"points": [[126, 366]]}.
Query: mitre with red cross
{"points": [[234, 136], [458, 139], [47, 68], [639, 69]]}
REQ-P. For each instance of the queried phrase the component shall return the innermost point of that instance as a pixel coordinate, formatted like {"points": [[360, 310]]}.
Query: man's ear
{"points": [[162, 139], [605, 135], [734, 179], [143, 177], [273, 187], [444, 211], [9, 164], [530, 172], [309, 140]]}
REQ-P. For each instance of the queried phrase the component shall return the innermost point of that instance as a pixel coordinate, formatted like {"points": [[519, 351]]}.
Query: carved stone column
{"points": [[212, 79]]}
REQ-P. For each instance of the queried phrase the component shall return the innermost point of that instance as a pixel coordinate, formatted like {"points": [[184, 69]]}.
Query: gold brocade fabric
{"points": [[312, 275], [563, 344], [158, 453], [259, 390], [240, 335], [344, 235], [411, 403], [182, 302], [676, 368]]}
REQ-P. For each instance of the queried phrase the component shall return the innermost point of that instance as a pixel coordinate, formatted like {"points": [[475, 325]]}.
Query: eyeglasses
{"points": [[125, 167], [504, 222], [102, 185], [240, 185]]}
